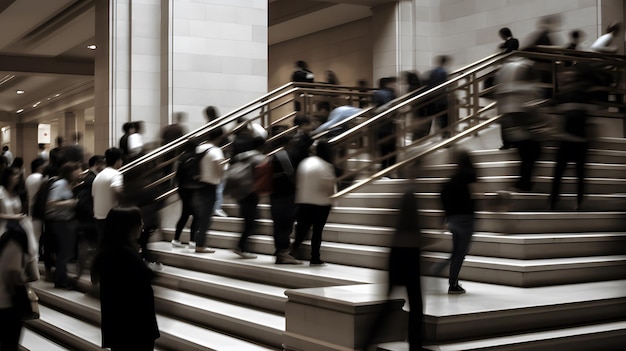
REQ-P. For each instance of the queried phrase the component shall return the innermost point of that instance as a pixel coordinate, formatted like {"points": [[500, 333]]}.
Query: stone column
{"points": [[25, 135]]}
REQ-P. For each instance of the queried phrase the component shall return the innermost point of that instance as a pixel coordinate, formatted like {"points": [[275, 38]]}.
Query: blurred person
{"points": [[575, 37], [418, 125], [135, 141], [544, 36], [203, 197], [437, 76], [43, 153], [331, 78], [510, 43], [604, 43], [175, 130], [61, 220], [15, 257], [404, 272], [57, 156], [33, 184], [386, 131], [128, 315], [87, 232], [185, 192], [516, 89], [107, 189], [336, 116], [75, 152], [7, 154], [217, 134], [128, 128], [302, 74], [315, 183], [458, 205], [321, 113], [299, 144], [250, 154]]}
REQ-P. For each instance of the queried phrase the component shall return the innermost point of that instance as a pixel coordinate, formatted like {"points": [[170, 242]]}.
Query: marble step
{"points": [[511, 168], [31, 341], [532, 272], [520, 222], [594, 155], [65, 329], [606, 336], [484, 201], [176, 334], [244, 293]]}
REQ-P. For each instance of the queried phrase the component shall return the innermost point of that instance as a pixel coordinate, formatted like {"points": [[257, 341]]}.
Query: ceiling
{"points": [[45, 54]]}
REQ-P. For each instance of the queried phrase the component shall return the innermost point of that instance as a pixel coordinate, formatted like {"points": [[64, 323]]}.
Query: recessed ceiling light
{"points": [[20, 91], [20, 110], [91, 47]]}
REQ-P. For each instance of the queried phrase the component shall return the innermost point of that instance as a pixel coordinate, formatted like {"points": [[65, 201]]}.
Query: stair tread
{"points": [[33, 341], [515, 339]]}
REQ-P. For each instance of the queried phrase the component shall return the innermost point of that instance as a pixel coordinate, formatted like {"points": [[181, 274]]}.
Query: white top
{"points": [[211, 167], [315, 182], [135, 143], [9, 156], [602, 43], [45, 155], [103, 192], [33, 183], [8, 205]]}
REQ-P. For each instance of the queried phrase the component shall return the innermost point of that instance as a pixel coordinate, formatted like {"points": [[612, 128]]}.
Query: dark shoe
{"points": [[244, 255], [317, 262], [456, 289], [202, 249], [284, 258]]}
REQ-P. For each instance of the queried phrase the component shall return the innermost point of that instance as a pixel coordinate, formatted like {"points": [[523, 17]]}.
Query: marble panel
{"points": [[189, 10]]}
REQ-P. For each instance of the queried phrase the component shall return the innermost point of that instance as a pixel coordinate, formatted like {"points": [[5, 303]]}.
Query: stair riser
{"points": [[592, 157], [540, 170]]}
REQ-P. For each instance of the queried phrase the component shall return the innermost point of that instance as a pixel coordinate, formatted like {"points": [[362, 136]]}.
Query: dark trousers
{"points": [[529, 152], [404, 271], [10, 329], [87, 244], [386, 149], [187, 209], [311, 216], [203, 200], [569, 152], [283, 216], [247, 211], [64, 233], [462, 229], [136, 345]]}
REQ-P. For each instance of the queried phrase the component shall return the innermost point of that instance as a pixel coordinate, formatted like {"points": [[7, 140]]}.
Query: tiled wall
{"points": [[218, 56]]}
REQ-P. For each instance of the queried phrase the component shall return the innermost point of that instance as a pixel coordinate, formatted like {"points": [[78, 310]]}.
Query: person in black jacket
{"points": [[509, 44], [126, 295], [458, 205]]}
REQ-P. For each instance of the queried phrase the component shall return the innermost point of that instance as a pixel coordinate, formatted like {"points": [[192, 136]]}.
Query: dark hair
{"points": [[67, 169], [18, 162], [443, 59], [613, 28], [41, 146], [331, 77], [505, 32], [575, 34], [301, 64], [211, 113], [112, 155], [323, 105], [36, 163], [127, 126], [5, 148], [325, 151], [7, 173], [95, 159], [301, 120], [60, 140]]}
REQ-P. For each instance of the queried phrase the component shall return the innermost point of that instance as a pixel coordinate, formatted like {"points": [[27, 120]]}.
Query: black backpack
{"points": [[41, 199], [188, 171]]}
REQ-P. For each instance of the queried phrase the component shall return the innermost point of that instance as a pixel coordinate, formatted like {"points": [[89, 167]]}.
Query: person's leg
{"points": [[416, 313], [219, 197], [462, 227], [581, 161], [283, 216], [559, 169], [319, 221], [303, 224], [247, 211], [10, 329], [65, 237], [185, 200], [204, 199]]}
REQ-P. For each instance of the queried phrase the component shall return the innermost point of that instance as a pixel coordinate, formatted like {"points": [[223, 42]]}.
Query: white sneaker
{"points": [[220, 213], [155, 266], [177, 243], [192, 245]]}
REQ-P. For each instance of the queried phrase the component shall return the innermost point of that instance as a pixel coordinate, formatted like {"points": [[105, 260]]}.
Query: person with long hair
{"points": [[128, 316]]}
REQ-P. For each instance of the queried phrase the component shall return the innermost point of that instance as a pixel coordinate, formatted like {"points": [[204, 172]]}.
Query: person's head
{"points": [[41, 147], [331, 77], [60, 141], [18, 162], [128, 127], [303, 123], [37, 165], [325, 151], [211, 113], [387, 83], [505, 33], [70, 171], [442, 60], [97, 163], [412, 79], [138, 126], [5, 148], [463, 160], [302, 65], [323, 108], [614, 28], [11, 177], [113, 157], [549, 23], [180, 117], [122, 227]]}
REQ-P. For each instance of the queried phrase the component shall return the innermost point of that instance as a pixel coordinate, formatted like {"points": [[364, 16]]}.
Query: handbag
{"points": [[25, 303]]}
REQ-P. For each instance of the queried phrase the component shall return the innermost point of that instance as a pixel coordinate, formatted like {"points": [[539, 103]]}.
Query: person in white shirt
{"points": [[33, 183], [107, 188], [203, 198], [315, 183], [603, 43]]}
